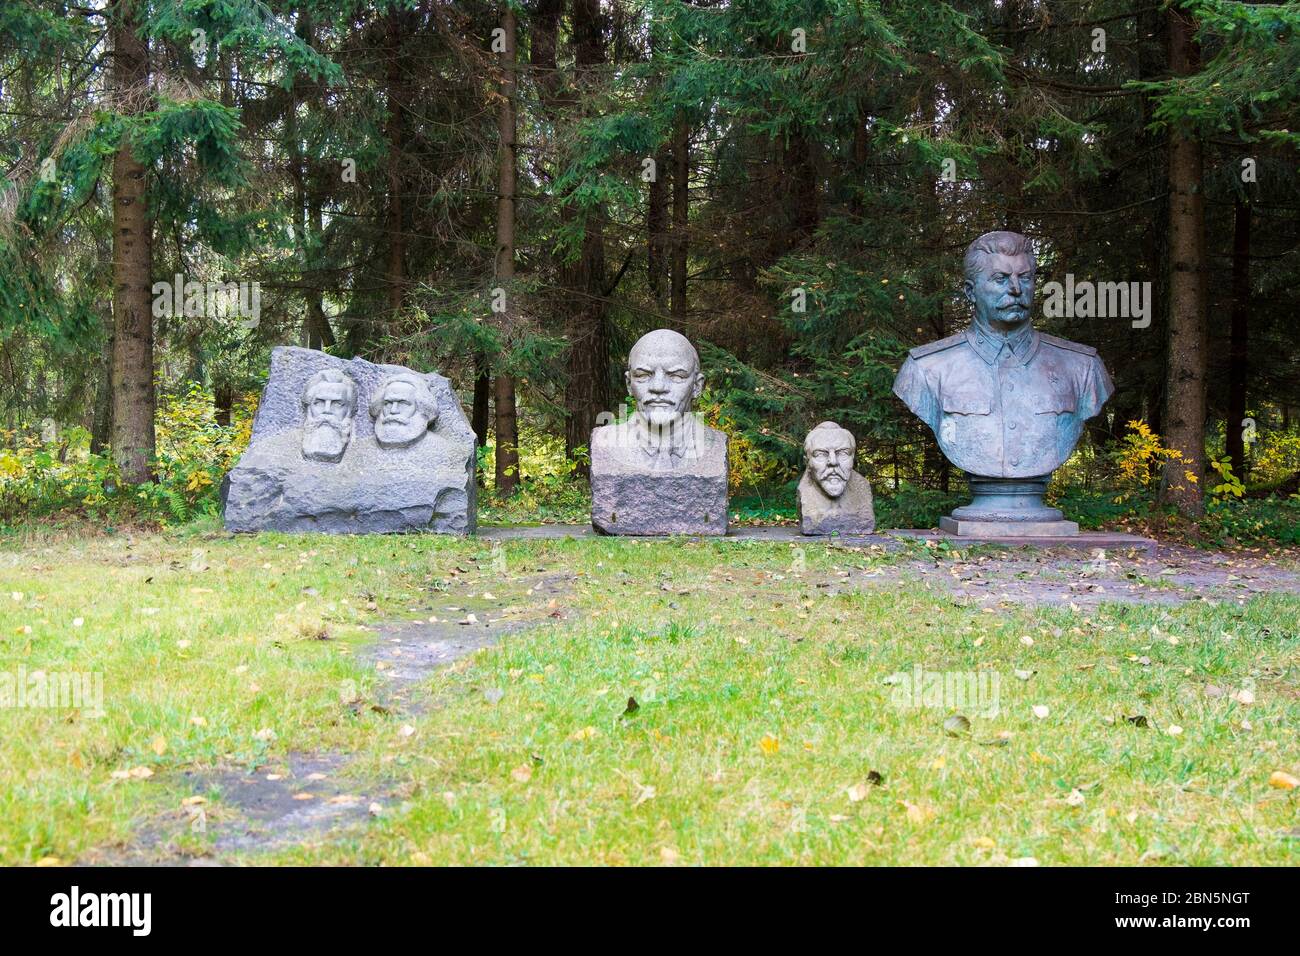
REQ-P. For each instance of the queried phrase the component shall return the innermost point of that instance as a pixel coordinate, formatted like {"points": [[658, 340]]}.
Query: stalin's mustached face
{"points": [[1003, 293]]}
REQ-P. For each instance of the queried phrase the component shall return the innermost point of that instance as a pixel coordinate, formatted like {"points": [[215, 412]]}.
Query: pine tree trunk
{"points": [[1185, 389], [1238, 353], [396, 135], [101, 429], [133, 385], [507, 429], [657, 230], [320, 335], [934, 461], [587, 386], [317, 333], [656, 212], [681, 216], [1148, 345], [482, 407], [223, 401], [482, 401]]}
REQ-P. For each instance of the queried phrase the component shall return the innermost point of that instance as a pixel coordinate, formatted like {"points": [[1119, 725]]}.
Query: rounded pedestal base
{"points": [[1011, 507]]}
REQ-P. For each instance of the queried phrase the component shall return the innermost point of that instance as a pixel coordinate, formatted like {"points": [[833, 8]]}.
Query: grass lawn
{"points": [[767, 726]]}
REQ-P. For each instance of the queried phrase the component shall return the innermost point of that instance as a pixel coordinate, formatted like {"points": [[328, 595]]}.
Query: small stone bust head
{"points": [[1000, 269], [403, 409], [663, 375], [330, 405], [830, 451]]}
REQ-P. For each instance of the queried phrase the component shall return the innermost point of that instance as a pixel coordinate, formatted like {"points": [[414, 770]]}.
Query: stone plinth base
{"points": [[641, 504], [1019, 529], [1008, 507], [678, 487]]}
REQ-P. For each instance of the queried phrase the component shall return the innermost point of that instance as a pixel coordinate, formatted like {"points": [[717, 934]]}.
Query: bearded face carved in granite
{"points": [[329, 407]]}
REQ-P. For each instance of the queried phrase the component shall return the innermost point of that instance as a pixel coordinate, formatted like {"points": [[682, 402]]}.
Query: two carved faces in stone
{"points": [[402, 408]]}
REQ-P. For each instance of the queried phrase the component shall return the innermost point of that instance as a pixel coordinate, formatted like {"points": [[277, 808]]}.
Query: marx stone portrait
{"points": [[1004, 400], [403, 410], [662, 471], [329, 410], [833, 498]]}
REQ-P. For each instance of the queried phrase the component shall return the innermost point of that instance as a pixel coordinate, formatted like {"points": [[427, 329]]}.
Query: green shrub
{"points": [[40, 478]]}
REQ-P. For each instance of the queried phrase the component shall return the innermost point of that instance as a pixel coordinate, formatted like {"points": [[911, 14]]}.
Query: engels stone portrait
{"points": [[330, 405], [663, 375], [1003, 399], [403, 409]]}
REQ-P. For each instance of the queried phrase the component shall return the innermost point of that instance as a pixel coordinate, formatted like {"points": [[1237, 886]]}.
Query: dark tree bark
{"points": [[308, 203], [507, 428], [396, 134], [681, 216], [101, 429], [934, 461], [223, 401], [542, 39], [1238, 353], [1185, 388], [1148, 346], [482, 401], [586, 391], [133, 385], [656, 214], [657, 230]]}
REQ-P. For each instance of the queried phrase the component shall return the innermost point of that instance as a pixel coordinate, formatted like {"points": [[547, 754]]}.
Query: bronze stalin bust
{"points": [[1006, 402]]}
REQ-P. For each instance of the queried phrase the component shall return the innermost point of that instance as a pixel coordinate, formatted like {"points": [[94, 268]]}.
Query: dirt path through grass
{"points": [[323, 794]]}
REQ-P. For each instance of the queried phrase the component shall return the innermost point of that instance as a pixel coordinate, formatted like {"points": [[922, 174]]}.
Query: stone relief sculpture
{"points": [[662, 471], [403, 410], [329, 408], [833, 497], [311, 464], [1006, 402]]}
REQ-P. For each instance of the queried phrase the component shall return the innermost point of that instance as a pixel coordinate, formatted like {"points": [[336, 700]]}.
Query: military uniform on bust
{"points": [[1010, 408]]}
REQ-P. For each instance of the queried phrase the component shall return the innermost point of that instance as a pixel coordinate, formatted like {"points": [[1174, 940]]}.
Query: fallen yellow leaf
{"points": [[1283, 780]]}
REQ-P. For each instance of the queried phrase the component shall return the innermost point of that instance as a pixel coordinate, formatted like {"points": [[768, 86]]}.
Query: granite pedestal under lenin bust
{"points": [[662, 471], [1006, 402]]}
